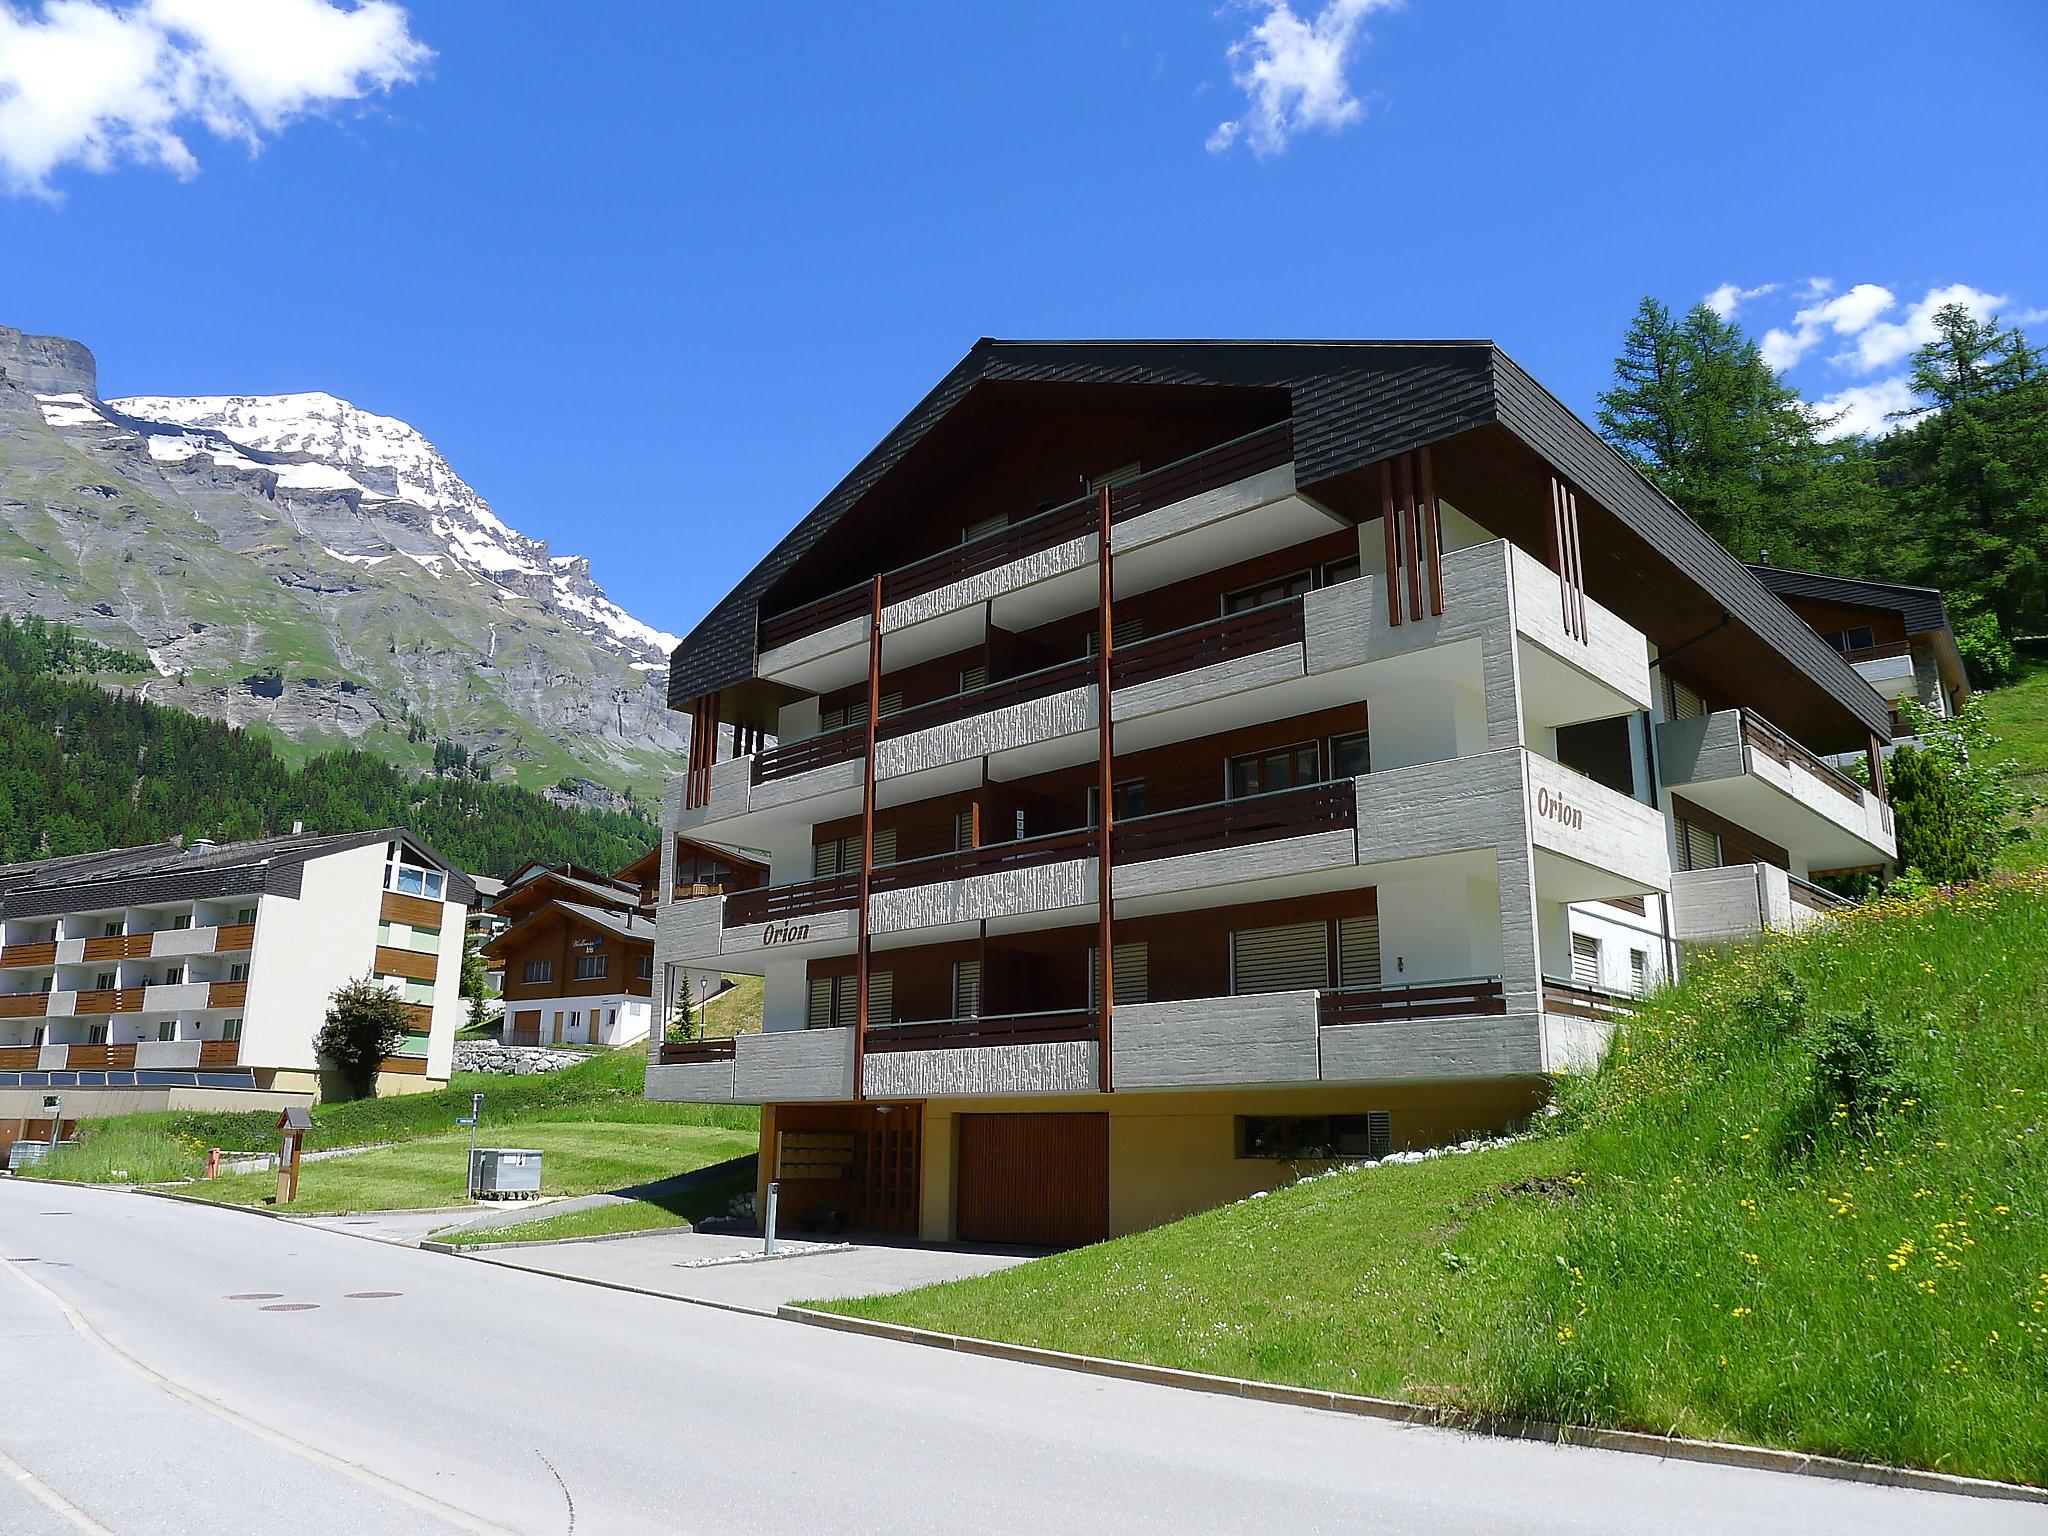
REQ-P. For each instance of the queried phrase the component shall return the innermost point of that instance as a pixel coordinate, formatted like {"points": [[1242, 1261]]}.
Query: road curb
{"points": [[1676, 1448]]}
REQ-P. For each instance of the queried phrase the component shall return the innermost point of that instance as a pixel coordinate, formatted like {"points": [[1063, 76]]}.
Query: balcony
{"points": [[997, 1055], [108, 1000], [24, 1005], [1739, 766], [28, 955], [1012, 879], [1734, 902]]}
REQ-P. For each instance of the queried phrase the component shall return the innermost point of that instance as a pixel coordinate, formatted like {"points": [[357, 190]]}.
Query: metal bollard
{"points": [[768, 1218]]}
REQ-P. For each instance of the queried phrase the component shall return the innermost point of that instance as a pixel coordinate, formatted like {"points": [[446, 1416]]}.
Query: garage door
{"points": [[1034, 1180]]}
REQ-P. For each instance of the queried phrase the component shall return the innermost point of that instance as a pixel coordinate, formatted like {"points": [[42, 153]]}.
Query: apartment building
{"points": [[1177, 763], [1897, 637], [174, 976], [576, 946]]}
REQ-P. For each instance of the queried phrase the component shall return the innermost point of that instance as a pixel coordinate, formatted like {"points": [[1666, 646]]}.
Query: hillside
{"points": [[299, 563], [2017, 716], [82, 768], [1801, 1205]]}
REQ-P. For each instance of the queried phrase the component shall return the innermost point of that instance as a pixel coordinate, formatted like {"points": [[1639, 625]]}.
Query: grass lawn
{"points": [[735, 1011], [1800, 1205], [2018, 716], [577, 1159], [608, 1088], [677, 1210]]}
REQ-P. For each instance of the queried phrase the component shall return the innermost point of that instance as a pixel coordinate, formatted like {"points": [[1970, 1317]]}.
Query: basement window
{"points": [[1316, 1138]]}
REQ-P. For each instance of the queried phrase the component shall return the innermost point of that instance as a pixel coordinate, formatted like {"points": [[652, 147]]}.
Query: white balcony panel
{"points": [[814, 661], [1573, 1044], [63, 1003], [166, 1053], [988, 586], [783, 1065], [1294, 861], [70, 952], [1437, 808], [1891, 676], [183, 941], [1738, 901], [1797, 805], [1033, 724], [1217, 683], [1000, 893], [51, 1058], [1434, 1050], [690, 932], [174, 997], [1267, 1038], [694, 1082], [748, 946], [985, 1071], [1566, 680], [1591, 841], [1216, 528]]}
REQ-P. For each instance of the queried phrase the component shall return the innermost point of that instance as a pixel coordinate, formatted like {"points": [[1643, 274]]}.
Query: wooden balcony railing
{"points": [[1813, 897], [24, 1005], [1183, 650], [1006, 1029], [121, 946], [1232, 823], [110, 1000], [1257, 451], [1421, 1000], [772, 903], [234, 936], [20, 1058], [227, 994], [1019, 853], [1022, 689], [1883, 652], [219, 1053], [29, 954], [808, 752], [685, 1052], [1580, 1002], [99, 1058], [414, 964], [1764, 737]]}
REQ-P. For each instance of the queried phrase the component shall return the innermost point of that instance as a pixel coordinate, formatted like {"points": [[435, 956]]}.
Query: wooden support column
{"points": [[1404, 509], [1873, 755], [703, 750], [1571, 502], [867, 839], [1393, 541], [1433, 533], [1105, 794]]}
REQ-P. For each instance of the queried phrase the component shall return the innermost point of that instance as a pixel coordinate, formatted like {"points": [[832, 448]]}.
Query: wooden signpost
{"points": [[292, 1127]]}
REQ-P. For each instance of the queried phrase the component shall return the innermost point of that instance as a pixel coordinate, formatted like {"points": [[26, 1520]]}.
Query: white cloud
{"points": [[1728, 298], [92, 83], [1845, 315], [1860, 316], [1295, 74], [1883, 343], [1866, 410]]}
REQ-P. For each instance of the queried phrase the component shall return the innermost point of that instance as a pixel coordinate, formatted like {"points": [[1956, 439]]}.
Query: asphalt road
{"points": [[143, 1396]]}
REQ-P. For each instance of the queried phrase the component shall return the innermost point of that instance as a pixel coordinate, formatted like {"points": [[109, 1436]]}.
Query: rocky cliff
{"points": [[301, 563]]}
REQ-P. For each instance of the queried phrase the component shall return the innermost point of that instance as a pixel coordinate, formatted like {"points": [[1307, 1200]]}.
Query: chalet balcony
{"points": [[1734, 902], [1737, 765]]}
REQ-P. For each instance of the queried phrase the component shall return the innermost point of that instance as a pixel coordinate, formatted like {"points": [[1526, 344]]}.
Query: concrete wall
{"points": [[1265, 1038], [1714, 905], [307, 948], [1223, 867], [1433, 1050], [996, 1071], [973, 591], [785, 1066], [998, 730], [999, 893], [1571, 815]]}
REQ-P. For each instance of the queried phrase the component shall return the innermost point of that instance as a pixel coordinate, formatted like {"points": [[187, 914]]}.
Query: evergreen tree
{"points": [[1935, 838]]}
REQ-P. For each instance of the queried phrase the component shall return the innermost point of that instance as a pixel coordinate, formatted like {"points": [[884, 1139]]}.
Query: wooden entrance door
{"points": [[1033, 1180]]}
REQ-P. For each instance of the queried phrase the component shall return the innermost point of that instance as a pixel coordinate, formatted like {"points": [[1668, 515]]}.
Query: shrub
{"points": [[365, 1023], [1987, 654], [1936, 836]]}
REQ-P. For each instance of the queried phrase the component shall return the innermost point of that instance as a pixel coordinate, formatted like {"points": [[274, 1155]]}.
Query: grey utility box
{"points": [[505, 1173]]}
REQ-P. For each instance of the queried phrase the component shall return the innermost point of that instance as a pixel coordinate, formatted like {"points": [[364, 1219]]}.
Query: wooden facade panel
{"points": [[404, 1066], [1035, 1180], [29, 954], [416, 910], [234, 936], [220, 1053], [24, 1005], [561, 940], [407, 962], [227, 994]]}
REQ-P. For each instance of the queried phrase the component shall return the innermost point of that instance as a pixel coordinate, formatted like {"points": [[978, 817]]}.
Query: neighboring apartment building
{"points": [[168, 976], [1896, 637], [577, 951], [1179, 761]]}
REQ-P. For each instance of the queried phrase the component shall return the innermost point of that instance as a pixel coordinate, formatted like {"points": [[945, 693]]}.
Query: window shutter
{"points": [[1286, 959], [885, 846], [892, 704], [967, 989], [881, 997], [824, 860], [963, 830], [1638, 971], [820, 1013], [982, 528], [1585, 960], [1133, 966], [973, 677], [1358, 951], [1379, 1133], [1681, 702], [1702, 849]]}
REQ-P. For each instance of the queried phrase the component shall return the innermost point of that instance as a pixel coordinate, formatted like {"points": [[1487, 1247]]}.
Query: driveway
{"points": [[182, 1369]]}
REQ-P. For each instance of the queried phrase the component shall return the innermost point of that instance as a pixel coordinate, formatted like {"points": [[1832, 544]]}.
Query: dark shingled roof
{"points": [[1920, 607], [1351, 404]]}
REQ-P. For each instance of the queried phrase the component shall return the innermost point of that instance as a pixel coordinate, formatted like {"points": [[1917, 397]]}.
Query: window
{"points": [[238, 971], [1123, 634], [103, 981], [231, 1029], [1350, 756], [1290, 958], [835, 1000], [433, 884], [1638, 971], [1123, 474], [966, 989], [972, 678], [245, 915], [981, 528], [963, 829], [537, 970], [173, 975], [38, 1034], [411, 881], [1680, 701], [841, 855], [1277, 590], [95, 1034], [1128, 797], [1334, 571], [167, 1030], [1316, 1138], [856, 712], [1697, 847], [1132, 978], [1603, 750], [591, 967], [182, 920], [1861, 638], [1261, 773], [1585, 960], [110, 930], [644, 969]]}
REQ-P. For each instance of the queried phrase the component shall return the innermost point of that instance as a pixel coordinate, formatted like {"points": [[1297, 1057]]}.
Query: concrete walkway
{"points": [[512, 1213]]}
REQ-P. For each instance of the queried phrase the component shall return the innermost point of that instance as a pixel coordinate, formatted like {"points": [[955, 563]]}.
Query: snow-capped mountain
{"points": [[302, 562]]}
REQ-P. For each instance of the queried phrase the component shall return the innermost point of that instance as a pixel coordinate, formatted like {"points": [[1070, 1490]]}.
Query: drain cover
{"points": [[255, 1296], [372, 1295], [291, 1306]]}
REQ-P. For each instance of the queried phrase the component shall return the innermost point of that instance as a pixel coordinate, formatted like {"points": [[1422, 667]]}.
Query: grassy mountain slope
{"points": [[1802, 1204], [2017, 715]]}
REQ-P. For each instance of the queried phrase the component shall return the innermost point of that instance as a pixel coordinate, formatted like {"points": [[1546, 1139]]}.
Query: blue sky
{"points": [[655, 276]]}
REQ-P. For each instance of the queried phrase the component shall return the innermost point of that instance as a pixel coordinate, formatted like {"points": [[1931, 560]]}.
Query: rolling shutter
{"points": [[1681, 702], [1638, 971], [966, 989], [1585, 960], [1133, 966], [881, 997], [1358, 951], [973, 677], [885, 845], [842, 855], [963, 830], [983, 528], [1292, 958], [1698, 848]]}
